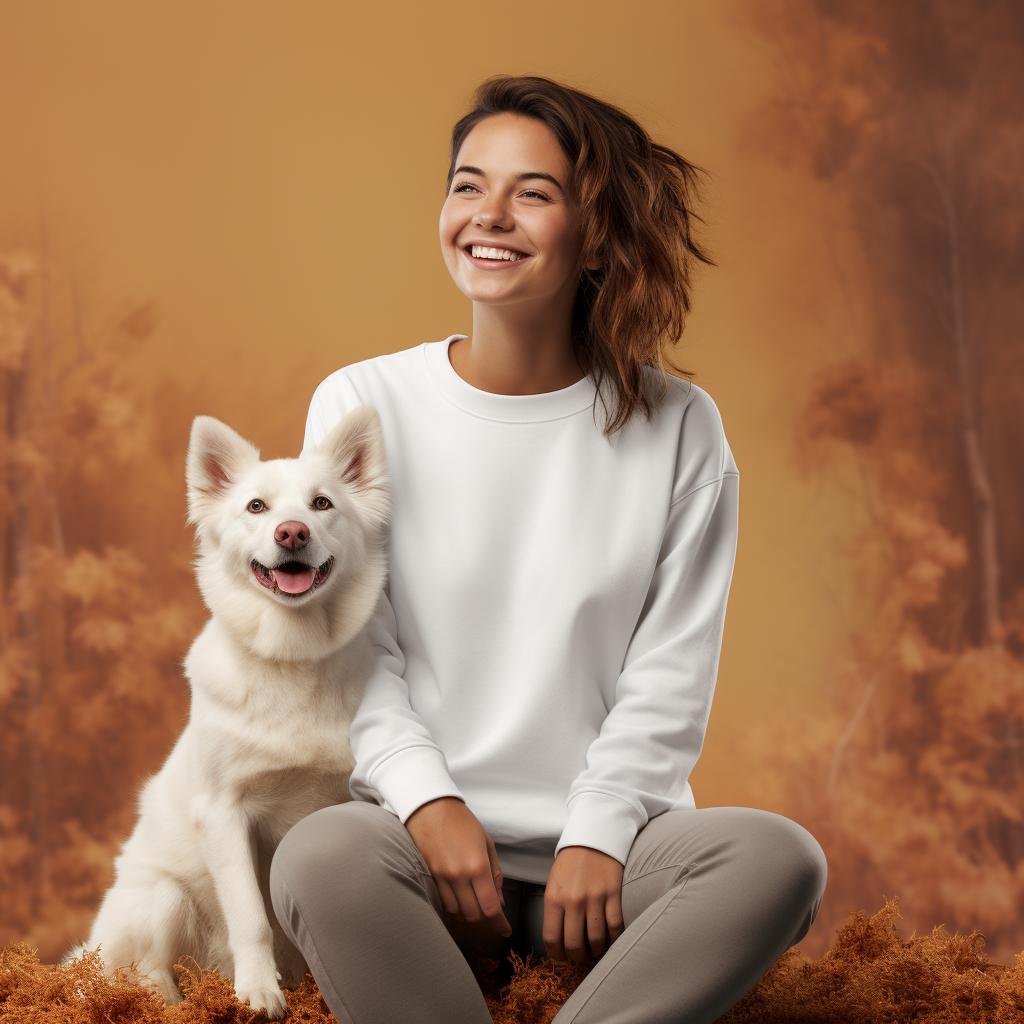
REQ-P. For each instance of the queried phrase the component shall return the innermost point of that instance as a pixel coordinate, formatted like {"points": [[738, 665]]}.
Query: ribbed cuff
{"points": [[603, 822], [412, 777]]}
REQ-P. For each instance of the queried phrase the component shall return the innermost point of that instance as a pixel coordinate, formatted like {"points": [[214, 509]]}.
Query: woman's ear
{"points": [[216, 455], [355, 447]]}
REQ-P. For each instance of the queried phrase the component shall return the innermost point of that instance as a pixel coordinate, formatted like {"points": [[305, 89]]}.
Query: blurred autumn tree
{"points": [[914, 783], [98, 601]]}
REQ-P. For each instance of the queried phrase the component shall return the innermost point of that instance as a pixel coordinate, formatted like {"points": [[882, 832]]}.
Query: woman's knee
{"points": [[339, 840], [793, 854]]}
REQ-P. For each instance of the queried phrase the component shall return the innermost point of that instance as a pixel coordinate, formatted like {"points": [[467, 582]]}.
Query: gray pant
{"points": [[711, 898]]}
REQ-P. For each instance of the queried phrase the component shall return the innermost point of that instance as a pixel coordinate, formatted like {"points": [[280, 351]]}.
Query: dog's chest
{"points": [[280, 798], [280, 770], [274, 737], [310, 739]]}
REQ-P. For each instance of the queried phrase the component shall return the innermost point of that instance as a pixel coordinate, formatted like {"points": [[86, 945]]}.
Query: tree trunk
{"points": [[977, 475]]}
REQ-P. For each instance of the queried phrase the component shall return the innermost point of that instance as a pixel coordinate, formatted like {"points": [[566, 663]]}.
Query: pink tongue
{"points": [[293, 582]]}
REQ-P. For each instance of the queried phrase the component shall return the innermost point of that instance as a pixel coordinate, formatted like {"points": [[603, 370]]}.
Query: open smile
{"points": [[492, 257], [292, 577]]}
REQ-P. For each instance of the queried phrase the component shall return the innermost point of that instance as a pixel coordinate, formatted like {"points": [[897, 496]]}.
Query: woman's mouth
{"points": [[493, 258]]}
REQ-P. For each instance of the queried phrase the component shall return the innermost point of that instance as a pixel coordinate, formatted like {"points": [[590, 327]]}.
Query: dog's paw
{"points": [[269, 1000], [161, 981]]}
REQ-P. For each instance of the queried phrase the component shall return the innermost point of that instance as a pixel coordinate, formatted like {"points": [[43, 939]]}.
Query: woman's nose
{"points": [[493, 212]]}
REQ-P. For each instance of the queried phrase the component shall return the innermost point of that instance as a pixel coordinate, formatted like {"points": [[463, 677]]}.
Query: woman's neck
{"points": [[509, 356]]}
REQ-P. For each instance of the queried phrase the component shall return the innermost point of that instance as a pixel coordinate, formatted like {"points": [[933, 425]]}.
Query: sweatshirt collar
{"points": [[548, 405]]}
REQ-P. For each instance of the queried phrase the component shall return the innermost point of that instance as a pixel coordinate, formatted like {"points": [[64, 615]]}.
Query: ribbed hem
{"points": [[603, 822], [528, 865], [548, 405], [412, 777]]}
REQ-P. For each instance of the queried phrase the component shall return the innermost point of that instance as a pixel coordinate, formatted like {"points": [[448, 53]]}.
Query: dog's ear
{"points": [[355, 447], [216, 455]]}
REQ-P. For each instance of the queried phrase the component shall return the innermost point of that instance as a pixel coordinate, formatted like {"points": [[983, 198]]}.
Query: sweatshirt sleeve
{"points": [[398, 764], [638, 765]]}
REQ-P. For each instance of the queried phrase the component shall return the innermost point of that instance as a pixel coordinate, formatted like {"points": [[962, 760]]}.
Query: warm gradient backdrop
{"points": [[269, 177]]}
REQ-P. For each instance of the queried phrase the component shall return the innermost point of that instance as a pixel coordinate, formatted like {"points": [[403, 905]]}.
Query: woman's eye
{"points": [[528, 192], [322, 503], [256, 506]]}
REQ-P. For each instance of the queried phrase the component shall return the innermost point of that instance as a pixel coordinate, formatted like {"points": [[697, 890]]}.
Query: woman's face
{"points": [[509, 194]]}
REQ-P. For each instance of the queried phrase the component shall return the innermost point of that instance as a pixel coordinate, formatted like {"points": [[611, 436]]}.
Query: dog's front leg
{"points": [[231, 859]]}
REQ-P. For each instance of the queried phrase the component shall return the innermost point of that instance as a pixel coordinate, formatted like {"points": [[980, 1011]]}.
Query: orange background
{"points": [[273, 180], [272, 175]]}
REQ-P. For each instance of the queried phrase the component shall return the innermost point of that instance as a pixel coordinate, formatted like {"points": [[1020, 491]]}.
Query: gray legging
{"points": [[711, 898]]}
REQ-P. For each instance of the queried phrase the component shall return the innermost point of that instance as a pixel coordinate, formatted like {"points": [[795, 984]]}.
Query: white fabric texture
{"points": [[549, 636]]}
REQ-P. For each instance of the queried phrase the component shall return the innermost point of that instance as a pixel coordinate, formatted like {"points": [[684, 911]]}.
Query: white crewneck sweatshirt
{"points": [[549, 636]]}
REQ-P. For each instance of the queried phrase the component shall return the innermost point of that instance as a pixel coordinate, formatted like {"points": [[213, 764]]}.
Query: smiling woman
{"points": [[548, 641], [596, 219], [511, 239]]}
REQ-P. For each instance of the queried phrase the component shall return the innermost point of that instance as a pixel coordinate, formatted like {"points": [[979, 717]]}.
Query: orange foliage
{"points": [[913, 781], [870, 975], [98, 601]]}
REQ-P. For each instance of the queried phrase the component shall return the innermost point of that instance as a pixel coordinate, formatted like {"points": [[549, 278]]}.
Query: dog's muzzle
{"points": [[293, 577]]}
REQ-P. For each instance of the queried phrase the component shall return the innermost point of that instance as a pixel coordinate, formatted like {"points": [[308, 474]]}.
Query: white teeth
{"points": [[483, 252]]}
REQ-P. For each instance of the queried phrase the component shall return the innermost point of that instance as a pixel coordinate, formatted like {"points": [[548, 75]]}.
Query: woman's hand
{"points": [[461, 857], [582, 904]]}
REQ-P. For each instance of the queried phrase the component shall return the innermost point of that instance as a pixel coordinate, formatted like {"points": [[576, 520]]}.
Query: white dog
{"points": [[291, 564]]}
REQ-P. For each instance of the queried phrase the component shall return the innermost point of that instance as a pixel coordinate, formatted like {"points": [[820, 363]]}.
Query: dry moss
{"points": [[535, 992], [871, 976], [34, 993]]}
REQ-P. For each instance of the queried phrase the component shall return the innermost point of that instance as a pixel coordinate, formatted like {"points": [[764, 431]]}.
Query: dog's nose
{"points": [[292, 535]]}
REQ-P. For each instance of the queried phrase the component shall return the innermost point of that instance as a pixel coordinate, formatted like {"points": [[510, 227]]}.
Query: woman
{"points": [[550, 633]]}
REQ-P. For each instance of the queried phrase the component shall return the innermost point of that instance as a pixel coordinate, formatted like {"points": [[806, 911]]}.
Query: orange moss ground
{"points": [[870, 976]]}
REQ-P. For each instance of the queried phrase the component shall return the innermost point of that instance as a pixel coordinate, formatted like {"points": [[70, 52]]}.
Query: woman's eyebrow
{"points": [[521, 177]]}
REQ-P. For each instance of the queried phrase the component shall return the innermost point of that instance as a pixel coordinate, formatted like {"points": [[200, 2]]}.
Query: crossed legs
{"points": [[711, 898]]}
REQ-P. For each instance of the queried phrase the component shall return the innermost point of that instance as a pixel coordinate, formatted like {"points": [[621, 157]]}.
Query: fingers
{"points": [[613, 915], [469, 905], [496, 873], [574, 932], [490, 905], [585, 933], [480, 896], [554, 921], [478, 901], [449, 900], [596, 938], [449, 837], [575, 938]]}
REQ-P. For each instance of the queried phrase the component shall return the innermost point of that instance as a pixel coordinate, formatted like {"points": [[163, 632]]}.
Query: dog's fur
{"points": [[276, 678]]}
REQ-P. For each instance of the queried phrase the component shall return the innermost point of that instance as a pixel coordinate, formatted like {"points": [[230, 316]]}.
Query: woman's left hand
{"points": [[582, 904]]}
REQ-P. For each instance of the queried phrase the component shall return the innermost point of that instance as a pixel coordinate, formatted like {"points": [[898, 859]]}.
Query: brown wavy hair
{"points": [[637, 202]]}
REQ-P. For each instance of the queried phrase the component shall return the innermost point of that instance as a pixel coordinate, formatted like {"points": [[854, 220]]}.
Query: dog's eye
{"points": [[256, 506], [322, 503]]}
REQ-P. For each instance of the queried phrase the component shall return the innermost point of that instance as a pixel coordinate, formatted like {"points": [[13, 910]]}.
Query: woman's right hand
{"points": [[461, 857]]}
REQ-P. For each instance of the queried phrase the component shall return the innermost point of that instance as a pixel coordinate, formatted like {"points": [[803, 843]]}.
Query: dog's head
{"points": [[290, 552]]}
